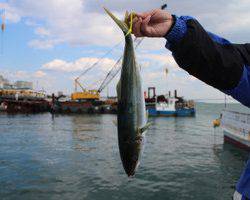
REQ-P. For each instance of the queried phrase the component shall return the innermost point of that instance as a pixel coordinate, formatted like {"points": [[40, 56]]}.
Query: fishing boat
{"points": [[168, 106], [236, 128]]}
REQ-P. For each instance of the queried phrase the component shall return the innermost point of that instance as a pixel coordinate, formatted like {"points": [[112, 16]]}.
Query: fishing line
{"points": [[131, 24]]}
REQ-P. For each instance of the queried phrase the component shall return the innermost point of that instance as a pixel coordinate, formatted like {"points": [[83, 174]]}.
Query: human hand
{"points": [[155, 23]]}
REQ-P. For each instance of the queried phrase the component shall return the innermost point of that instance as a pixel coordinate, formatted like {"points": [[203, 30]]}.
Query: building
{"points": [[3, 82], [23, 85]]}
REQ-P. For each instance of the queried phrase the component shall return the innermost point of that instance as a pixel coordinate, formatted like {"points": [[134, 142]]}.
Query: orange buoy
{"points": [[216, 123]]}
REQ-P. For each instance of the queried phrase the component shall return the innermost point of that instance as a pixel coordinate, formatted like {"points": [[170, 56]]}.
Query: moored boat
{"points": [[236, 128], [169, 106]]}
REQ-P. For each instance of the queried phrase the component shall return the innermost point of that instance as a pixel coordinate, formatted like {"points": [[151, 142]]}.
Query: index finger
{"points": [[146, 14]]}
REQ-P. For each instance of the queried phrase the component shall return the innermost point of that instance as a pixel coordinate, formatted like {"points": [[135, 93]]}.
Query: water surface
{"points": [[76, 157]]}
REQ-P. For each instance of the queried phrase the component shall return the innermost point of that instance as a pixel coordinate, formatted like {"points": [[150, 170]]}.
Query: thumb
{"points": [[145, 29]]}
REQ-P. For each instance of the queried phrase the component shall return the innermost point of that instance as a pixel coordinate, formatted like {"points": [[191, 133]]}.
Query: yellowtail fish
{"points": [[132, 118]]}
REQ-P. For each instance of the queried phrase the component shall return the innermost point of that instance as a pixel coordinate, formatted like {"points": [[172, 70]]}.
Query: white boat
{"points": [[236, 128]]}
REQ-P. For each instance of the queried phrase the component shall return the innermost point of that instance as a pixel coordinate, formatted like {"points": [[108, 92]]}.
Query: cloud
{"points": [[164, 61], [42, 31], [79, 65], [40, 79], [43, 43], [11, 13], [81, 23], [39, 74]]}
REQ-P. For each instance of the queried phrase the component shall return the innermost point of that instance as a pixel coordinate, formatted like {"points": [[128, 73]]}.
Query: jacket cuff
{"points": [[177, 32]]}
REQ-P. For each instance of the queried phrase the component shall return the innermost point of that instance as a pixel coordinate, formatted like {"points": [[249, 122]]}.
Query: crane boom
{"points": [[92, 66], [116, 68], [95, 94]]}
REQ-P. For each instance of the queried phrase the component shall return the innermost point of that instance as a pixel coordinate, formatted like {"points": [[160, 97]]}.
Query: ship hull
{"points": [[189, 112], [236, 141], [86, 107], [236, 129], [27, 106]]}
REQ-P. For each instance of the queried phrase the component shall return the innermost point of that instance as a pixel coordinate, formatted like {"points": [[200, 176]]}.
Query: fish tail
{"points": [[123, 26]]}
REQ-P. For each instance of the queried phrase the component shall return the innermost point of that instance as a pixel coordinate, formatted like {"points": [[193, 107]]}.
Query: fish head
{"points": [[130, 152]]}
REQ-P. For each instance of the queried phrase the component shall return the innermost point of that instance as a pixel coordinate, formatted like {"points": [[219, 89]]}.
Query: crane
{"points": [[117, 67], [86, 94], [95, 94]]}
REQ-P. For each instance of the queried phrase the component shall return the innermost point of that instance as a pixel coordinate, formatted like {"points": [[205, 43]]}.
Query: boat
{"points": [[236, 128], [168, 106], [23, 101], [27, 106], [66, 105], [3, 107]]}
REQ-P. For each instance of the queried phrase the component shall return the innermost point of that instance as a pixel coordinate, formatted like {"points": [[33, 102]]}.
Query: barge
{"points": [[236, 128], [23, 101]]}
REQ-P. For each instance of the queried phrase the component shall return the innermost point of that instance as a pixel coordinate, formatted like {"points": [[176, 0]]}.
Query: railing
{"points": [[236, 121]]}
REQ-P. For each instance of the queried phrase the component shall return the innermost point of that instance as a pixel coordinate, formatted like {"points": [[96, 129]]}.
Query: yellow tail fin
{"points": [[123, 26]]}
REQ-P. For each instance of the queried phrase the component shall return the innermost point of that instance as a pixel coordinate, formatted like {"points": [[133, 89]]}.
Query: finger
{"points": [[128, 21], [146, 14], [136, 29], [145, 28]]}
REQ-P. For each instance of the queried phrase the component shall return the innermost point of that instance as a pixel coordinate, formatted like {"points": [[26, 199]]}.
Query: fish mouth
{"points": [[130, 153], [130, 171]]}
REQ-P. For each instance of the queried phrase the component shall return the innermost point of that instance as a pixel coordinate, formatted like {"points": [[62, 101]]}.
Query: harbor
{"points": [[23, 99], [76, 157], [124, 100]]}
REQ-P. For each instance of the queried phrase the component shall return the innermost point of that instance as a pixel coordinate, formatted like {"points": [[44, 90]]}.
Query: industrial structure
{"points": [[20, 97]]}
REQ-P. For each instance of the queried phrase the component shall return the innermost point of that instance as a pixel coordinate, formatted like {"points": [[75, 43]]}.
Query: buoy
{"points": [[216, 123]]}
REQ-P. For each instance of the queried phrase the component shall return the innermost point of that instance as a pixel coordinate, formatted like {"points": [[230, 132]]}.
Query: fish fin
{"points": [[123, 26], [126, 16], [146, 127], [115, 122]]}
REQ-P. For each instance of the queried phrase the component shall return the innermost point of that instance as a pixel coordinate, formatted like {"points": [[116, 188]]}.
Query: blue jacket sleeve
{"points": [[210, 58], [243, 185]]}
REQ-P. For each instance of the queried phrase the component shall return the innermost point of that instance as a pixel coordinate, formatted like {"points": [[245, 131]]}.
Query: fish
{"points": [[132, 122]]}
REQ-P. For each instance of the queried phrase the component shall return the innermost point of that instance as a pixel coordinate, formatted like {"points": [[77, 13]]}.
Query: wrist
{"points": [[177, 31], [173, 22]]}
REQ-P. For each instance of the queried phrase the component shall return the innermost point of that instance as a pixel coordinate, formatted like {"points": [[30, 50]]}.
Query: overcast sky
{"points": [[50, 42]]}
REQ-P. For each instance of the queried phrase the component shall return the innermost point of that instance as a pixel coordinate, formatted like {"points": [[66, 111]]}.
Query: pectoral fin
{"points": [[146, 127], [115, 122]]}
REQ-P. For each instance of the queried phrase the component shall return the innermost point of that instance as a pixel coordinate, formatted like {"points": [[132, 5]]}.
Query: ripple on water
{"points": [[77, 157]]}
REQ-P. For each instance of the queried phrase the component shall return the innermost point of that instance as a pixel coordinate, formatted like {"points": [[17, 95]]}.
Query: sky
{"points": [[51, 42]]}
